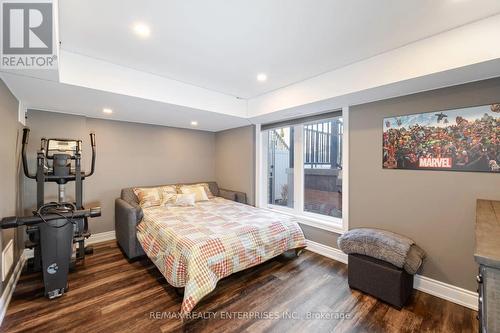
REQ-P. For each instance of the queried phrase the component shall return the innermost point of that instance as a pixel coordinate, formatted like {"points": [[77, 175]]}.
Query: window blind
{"points": [[302, 120]]}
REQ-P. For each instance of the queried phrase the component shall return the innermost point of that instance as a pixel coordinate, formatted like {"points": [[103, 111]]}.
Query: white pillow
{"points": [[185, 199], [198, 191]]}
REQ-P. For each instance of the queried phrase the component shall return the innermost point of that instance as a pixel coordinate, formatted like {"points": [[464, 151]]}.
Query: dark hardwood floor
{"points": [[109, 294]]}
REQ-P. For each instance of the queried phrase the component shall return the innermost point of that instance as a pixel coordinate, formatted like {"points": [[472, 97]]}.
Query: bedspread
{"points": [[195, 247]]}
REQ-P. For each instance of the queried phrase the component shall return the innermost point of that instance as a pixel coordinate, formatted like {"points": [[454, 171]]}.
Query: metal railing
{"points": [[277, 141], [322, 144]]}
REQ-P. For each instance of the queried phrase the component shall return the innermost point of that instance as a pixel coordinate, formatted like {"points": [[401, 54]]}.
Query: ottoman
{"points": [[380, 279]]}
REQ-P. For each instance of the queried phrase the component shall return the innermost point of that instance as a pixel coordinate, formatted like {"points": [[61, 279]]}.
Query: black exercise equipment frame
{"points": [[54, 227]]}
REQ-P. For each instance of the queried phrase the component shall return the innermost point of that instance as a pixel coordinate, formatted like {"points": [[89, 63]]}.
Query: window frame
{"points": [[316, 220]]}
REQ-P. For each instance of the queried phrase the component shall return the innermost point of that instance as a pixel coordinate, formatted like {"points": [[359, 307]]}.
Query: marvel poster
{"points": [[460, 140]]}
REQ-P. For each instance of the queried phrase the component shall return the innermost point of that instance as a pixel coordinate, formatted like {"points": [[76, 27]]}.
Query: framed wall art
{"points": [[466, 139]]}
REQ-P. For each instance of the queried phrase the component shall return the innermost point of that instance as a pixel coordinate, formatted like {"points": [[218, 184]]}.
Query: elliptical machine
{"points": [[57, 230]]}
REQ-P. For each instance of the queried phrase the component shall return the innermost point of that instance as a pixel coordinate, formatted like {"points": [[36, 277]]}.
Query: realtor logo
{"points": [[27, 35]]}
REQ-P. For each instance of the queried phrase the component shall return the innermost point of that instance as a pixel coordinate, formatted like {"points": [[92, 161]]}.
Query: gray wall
{"points": [[235, 160], [9, 159], [320, 236], [128, 154], [435, 208]]}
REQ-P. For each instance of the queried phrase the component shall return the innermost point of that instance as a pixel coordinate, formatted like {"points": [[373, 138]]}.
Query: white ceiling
{"points": [[65, 98], [222, 45]]}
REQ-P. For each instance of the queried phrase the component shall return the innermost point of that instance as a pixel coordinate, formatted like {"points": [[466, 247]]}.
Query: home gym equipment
{"points": [[57, 230]]}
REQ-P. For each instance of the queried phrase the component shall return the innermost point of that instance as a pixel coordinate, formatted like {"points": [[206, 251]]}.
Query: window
{"points": [[322, 143], [301, 169], [280, 166]]}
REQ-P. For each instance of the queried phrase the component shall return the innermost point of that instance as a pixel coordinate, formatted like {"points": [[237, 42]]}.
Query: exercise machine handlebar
{"points": [[14, 221], [26, 135], [92, 144]]}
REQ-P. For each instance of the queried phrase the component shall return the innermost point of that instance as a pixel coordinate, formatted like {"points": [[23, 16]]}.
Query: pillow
{"points": [[148, 197], [205, 186], [185, 200], [168, 194], [210, 195], [198, 191]]}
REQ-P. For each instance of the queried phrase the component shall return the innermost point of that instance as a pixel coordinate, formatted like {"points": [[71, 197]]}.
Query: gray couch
{"points": [[128, 213]]}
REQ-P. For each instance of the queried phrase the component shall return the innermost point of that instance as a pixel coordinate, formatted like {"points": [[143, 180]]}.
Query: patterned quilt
{"points": [[195, 247]]}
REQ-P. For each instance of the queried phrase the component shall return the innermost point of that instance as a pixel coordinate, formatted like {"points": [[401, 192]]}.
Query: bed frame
{"points": [[128, 213]]}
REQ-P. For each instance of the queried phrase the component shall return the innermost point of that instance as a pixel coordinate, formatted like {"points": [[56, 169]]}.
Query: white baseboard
{"points": [[427, 285], [327, 251], [10, 286], [446, 291], [29, 253], [101, 237]]}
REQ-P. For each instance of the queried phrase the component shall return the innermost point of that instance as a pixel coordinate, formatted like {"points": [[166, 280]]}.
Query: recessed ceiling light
{"points": [[194, 123], [261, 77], [142, 29], [107, 111]]}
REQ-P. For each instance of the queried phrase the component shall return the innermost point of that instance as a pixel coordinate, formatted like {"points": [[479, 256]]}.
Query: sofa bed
{"points": [[194, 246]]}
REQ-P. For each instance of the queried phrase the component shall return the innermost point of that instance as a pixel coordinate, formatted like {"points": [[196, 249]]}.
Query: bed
{"points": [[195, 247]]}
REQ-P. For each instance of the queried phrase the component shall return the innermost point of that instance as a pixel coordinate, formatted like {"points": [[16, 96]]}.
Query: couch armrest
{"points": [[126, 219], [233, 195]]}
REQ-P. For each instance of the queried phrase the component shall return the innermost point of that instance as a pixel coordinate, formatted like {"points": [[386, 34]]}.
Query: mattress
{"points": [[195, 247]]}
